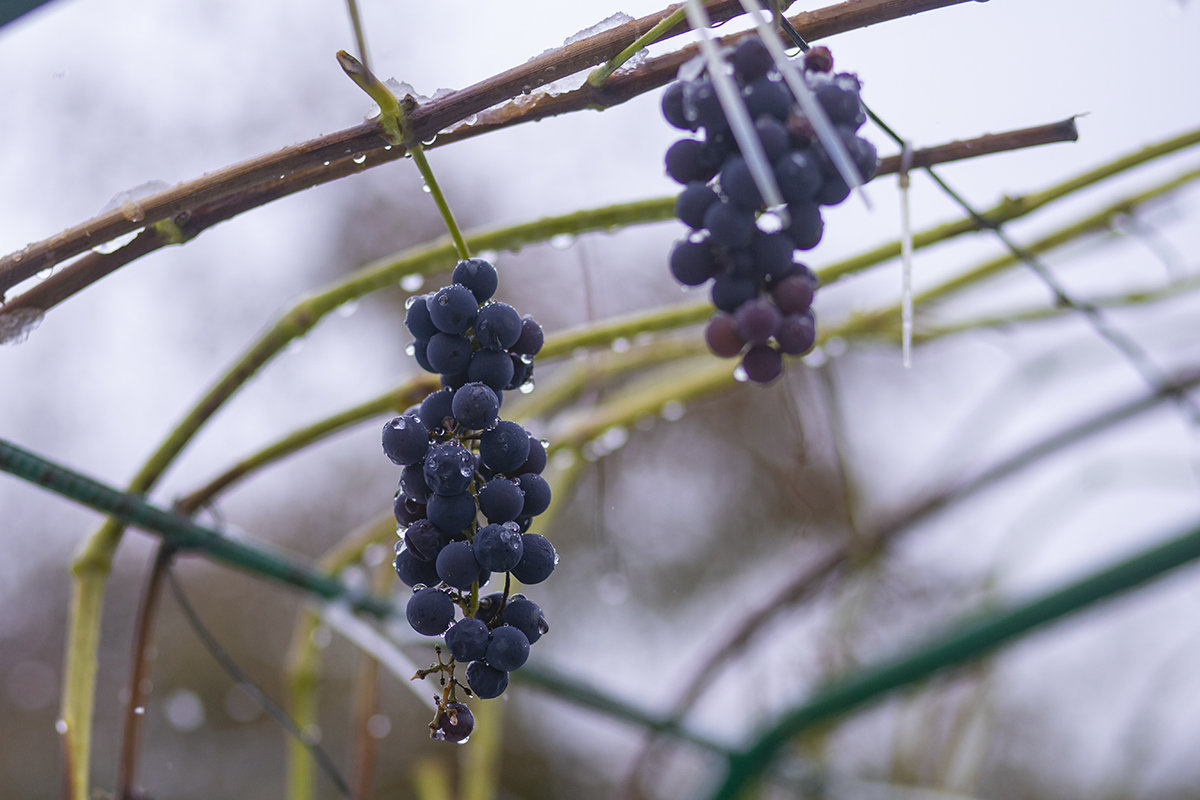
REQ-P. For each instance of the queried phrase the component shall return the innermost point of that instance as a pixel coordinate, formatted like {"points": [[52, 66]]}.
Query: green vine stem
{"points": [[602, 73], [971, 640]]}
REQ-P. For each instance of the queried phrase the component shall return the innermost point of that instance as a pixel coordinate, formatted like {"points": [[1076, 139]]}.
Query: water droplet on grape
{"points": [[526, 387], [410, 350], [739, 374]]}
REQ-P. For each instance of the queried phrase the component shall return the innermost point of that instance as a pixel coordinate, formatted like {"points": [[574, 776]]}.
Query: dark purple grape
{"points": [[538, 559], [412, 571], [773, 136], [456, 565], [449, 353], [529, 343], [693, 201], [407, 510], [412, 482], [505, 447], [797, 333], [421, 355], [522, 372], [672, 107], [738, 185], [497, 326], [839, 97], [833, 191], [692, 263], [430, 612], [729, 225], [772, 253], [489, 608], [435, 408], [405, 440], [454, 723], [475, 406], [501, 500], [805, 226], [486, 682], [423, 540], [799, 176], [451, 512], [449, 468], [526, 616], [794, 295], [757, 320], [452, 308], [686, 163], [417, 319], [494, 370], [477, 275], [762, 364], [536, 461], [728, 292], [498, 547], [537, 493], [750, 60], [702, 106], [508, 649], [467, 639], [722, 337], [765, 96]]}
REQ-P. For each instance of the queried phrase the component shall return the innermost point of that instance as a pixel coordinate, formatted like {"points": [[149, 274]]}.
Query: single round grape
{"points": [[421, 355], [692, 263], [435, 408], [833, 191], [773, 136], [722, 337], [531, 339], [762, 363], [497, 326], [522, 373], [423, 540], [505, 447], [685, 161], [456, 566], [738, 185], [412, 482], [797, 333], [701, 105], [407, 510], [405, 440], [479, 276], [798, 175], [417, 319], [839, 97], [475, 406], [451, 512], [537, 493], [430, 611], [536, 462], [508, 649], [454, 723], [772, 253], [501, 500], [467, 639], [750, 60], [765, 96], [526, 616], [489, 608], [672, 107], [452, 308], [693, 202], [412, 571], [486, 682], [806, 226], [498, 547], [729, 225], [449, 353], [538, 559], [865, 157], [729, 293], [449, 468], [494, 370], [794, 295], [757, 320]]}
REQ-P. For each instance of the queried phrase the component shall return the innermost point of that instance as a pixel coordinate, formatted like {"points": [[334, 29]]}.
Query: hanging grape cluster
{"points": [[763, 295], [460, 462]]}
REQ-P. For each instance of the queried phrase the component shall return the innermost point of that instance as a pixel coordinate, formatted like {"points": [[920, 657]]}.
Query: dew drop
{"points": [[184, 710], [325, 163], [411, 283], [61, 726], [378, 726], [425, 188], [140, 710], [562, 241], [739, 374], [361, 158], [526, 387], [411, 350], [672, 411], [835, 346], [347, 309], [620, 345], [321, 637]]}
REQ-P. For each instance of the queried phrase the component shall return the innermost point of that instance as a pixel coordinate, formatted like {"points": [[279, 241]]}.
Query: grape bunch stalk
{"points": [[460, 462], [762, 294]]}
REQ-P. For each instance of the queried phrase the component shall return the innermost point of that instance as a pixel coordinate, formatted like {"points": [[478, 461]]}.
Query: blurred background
{"points": [[670, 540]]}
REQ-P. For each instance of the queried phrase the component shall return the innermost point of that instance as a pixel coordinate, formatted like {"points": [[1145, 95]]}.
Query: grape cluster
{"points": [[460, 462], [762, 294]]}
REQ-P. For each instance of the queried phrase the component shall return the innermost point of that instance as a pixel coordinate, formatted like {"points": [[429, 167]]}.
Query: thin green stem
{"points": [[435, 191], [600, 74], [971, 640], [360, 36]]}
